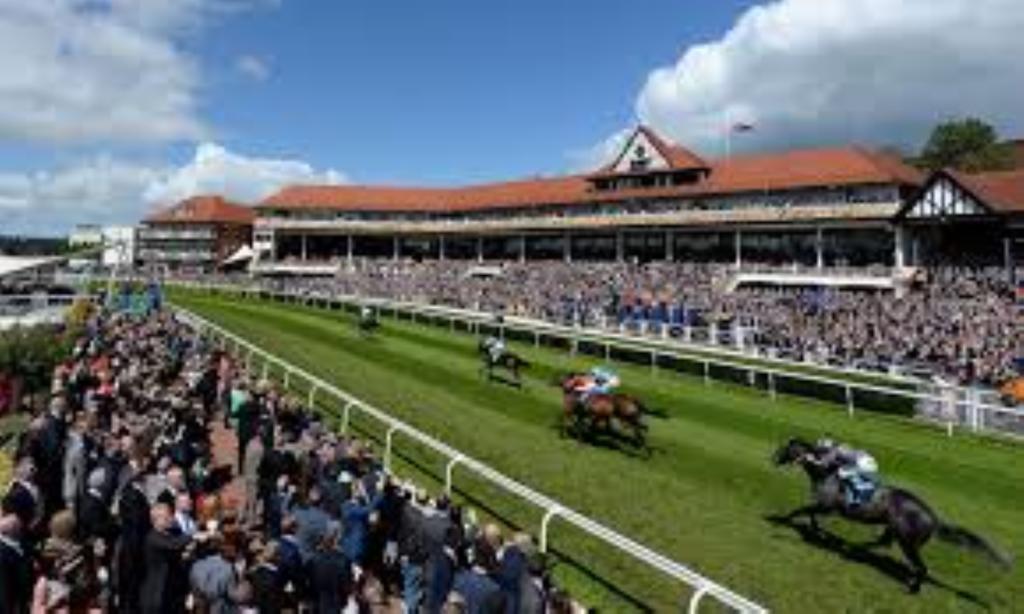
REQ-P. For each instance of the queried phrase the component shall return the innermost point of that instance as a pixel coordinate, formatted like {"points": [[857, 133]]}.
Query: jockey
{"points": [[495, 348], [605, 380], [600, 380], [857, 470]]}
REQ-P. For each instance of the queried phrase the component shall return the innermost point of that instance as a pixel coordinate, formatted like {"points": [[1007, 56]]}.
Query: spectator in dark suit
{"points": [[15, 568], [266, 580], [134, 517], [512, 571], [293, 570], [480, 592], [94, 520], [330, 575], [165, 584], [23, 498]]}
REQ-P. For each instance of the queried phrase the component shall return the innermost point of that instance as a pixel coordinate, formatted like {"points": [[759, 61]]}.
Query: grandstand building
{"points": [[657, 200], [196, 235]]}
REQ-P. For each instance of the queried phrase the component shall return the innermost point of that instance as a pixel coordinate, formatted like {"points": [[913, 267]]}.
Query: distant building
{"points": [[85, 235], [195, 235], [119, 247]]}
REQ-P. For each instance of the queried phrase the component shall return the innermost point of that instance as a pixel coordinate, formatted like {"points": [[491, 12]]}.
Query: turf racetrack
{"points": [[703, 497]]}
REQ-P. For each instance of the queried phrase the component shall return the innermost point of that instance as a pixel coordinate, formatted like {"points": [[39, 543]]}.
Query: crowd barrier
{"points": [[951, 406], [702, 586]]}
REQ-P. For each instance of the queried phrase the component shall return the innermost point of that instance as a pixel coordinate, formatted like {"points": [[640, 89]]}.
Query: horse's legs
{"points": [[919, 571], [811, 511], [884, 540]]}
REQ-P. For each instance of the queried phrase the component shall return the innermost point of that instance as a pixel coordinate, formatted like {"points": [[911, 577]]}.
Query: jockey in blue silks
{"points": [[600, 380], [857, 470]]}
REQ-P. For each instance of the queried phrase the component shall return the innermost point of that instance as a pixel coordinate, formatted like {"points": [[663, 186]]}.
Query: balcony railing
{"points": [[807, 213]]}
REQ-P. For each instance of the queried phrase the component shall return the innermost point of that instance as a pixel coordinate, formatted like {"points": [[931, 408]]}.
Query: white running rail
{"points": [[701, 585]]}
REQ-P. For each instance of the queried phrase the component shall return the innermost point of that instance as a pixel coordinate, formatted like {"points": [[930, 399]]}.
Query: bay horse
{"points": [[598, 410], [509, 360], [907, 519]]}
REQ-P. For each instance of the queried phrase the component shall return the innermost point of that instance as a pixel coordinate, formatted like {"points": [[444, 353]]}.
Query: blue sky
{"points": [[111, 108], [442, 92]]}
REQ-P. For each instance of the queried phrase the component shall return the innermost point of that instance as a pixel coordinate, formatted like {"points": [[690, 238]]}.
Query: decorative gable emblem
{"points": [[946, 199]]}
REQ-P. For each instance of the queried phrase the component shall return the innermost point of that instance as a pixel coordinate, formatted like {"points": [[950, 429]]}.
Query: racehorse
{"points": [[907, 519], [368, 323], [600, 409], [508, 360]]}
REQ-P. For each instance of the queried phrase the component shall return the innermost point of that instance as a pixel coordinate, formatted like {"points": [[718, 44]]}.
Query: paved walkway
{"points": [[225, 453]]}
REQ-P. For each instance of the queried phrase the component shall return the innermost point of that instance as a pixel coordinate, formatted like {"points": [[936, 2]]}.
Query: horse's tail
{"points": [[960, 536]]}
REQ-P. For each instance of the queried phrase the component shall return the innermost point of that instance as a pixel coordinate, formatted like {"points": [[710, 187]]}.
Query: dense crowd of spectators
{"points": [[963, 325], [120, 502]]}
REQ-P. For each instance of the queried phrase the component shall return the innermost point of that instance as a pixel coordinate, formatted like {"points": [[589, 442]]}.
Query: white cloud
{"points": [[219, 171], [86, 71], [814, 71], [253, 67], [106, 190]]}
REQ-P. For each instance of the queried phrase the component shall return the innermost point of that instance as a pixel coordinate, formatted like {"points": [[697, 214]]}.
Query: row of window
{"points": [[792, 198]]}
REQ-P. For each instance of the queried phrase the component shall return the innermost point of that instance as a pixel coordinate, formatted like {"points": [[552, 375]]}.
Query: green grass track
{"points": [[701, 498]]}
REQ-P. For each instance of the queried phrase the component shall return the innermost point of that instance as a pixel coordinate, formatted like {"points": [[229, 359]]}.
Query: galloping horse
{"points": [[368, 323], [907, 519], [600, 409], [508, 360]]}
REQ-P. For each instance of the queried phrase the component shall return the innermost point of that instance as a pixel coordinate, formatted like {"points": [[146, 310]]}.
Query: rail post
{"points": [[654, 361], [696, 598], [607, 352], [266, 368], [287, 377], [449, 470], [345, 411], [551, 513], [771, 385], [388, 440], [248, 360], [849, 400], [536, 339], [707, 372], [312, 396]]}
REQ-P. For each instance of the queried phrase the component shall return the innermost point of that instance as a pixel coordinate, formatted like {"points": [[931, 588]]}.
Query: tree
{"points": [[967, 144]]}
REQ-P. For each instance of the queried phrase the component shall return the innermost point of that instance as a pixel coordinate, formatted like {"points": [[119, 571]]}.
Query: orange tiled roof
{"points": [[204, 210], [1003, 191], [840, 166]]}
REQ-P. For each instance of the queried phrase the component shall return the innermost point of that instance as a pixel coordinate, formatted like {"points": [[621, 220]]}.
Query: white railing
{"points": [[701, 585], [960, 406]]}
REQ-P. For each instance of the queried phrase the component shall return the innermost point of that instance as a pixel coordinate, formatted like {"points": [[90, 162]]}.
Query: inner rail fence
{"points": [[951, 407], [702, 587]]}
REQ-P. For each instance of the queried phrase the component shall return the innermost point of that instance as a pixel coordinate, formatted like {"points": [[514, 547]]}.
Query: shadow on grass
{"points": [[613, 439], [863, 554]]}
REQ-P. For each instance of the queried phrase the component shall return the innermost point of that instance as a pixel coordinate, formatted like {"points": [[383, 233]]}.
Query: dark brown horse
{"points": [[510, 361], [907, 519], [599, 410]]}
